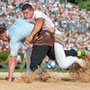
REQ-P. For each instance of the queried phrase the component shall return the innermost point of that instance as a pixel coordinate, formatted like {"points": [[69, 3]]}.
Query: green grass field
{"points": [[24, 70], [4, 55]]}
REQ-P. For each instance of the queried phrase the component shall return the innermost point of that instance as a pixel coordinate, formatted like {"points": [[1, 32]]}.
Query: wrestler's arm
{"points": [[44, 26], [38, 25]]}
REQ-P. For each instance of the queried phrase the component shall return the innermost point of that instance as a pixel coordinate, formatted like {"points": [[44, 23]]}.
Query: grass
{"points": [[4, 55], [16, 70], [23, 69], [59, 70]]}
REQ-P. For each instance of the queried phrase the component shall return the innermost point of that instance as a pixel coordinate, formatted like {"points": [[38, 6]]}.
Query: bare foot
{"points": [[9, 80]]}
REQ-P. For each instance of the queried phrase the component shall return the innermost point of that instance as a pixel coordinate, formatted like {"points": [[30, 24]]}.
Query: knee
{"points": [[63, 65]]}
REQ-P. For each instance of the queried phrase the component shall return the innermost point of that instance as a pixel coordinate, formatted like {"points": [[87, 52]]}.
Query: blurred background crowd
{"points": [[73, 22]]}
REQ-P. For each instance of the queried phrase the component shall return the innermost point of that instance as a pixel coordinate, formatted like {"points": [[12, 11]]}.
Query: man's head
{"points": [[2, 30], [28, 11], [3, 35]]}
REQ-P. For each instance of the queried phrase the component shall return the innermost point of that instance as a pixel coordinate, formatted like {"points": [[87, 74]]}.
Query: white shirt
{"points": [[48, 22]]}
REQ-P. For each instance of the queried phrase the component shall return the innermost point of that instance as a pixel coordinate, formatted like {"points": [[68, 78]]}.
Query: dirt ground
{"points": [[64, 83]]}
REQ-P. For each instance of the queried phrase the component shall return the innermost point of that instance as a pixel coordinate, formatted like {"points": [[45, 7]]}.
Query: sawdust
{"points": [[76, 72], [40, 75], [81, 74]]}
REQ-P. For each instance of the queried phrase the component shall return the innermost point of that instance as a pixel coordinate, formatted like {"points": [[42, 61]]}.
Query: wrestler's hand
{"points": [[28, 40], [27, 46]]}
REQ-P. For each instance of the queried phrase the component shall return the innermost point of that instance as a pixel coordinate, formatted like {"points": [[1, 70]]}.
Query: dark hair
{"points": [[2, 30], [27, 6]]}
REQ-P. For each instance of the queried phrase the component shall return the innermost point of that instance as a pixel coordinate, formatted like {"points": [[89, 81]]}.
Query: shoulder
{"points": [[37, 11], [38, 14], [20, 19]]}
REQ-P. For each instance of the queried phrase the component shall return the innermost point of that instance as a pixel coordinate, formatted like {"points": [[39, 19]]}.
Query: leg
{"points": [[51, 53], [38, 54], [71, 52], [63, 61], [12, 63]]}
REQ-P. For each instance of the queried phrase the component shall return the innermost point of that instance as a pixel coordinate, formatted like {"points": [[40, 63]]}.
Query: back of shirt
{"points": [[20, 29], [17, 33], [47, 21]]}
